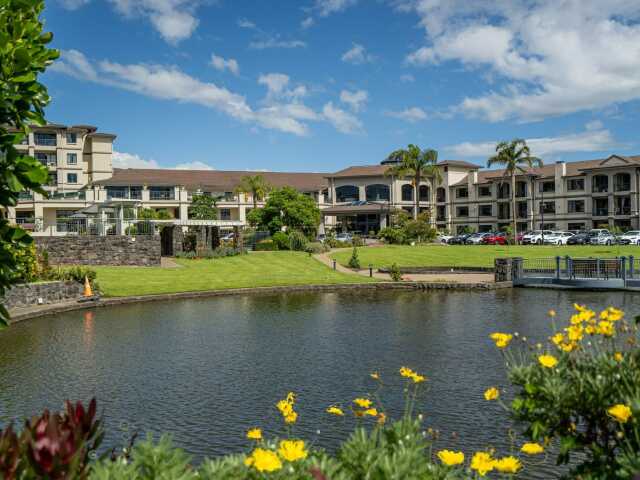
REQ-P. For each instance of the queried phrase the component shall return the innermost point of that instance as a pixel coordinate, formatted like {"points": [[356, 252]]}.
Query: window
{"points": [[45, 139], [424, 193], [23, 217], [547, 226], [484, 191], [575, 206], [574, 184], [623, 205], [462, 211], [622, 182], [521, 209], [161, 193], [600, 207], [377, 192], [485, 228], [576, 226], [72, 178], [407, 193], [521, 189], [547, 187], [53, 179], [548, 207], [504, 190], [462, 192], [72, 158], [600, 184], [72, 138], [486, 210], [440, 213], [504, 211], [225, 214], [347, 193], [47, 159], [441, 195]]}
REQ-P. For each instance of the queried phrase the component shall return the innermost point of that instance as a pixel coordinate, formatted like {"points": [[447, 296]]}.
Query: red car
{"points": [[499, 238]]}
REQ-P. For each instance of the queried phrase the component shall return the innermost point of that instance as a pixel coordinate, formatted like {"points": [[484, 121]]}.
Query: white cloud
{"points": [[276, 42], [175, 20], [594, 125], [130, 160], [244, 23], [307, 22], [357, 55], [356, 100], [170, 83], [343, 121], [590, 140], [407, 78], [73, 4], [550, 58], [193, 166], [277, 87], [327, 7], [411, 114], [219, 63]]}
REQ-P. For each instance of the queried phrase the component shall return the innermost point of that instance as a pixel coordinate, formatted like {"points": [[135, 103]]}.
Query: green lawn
{"points": [[471, 255], [264, 269]]}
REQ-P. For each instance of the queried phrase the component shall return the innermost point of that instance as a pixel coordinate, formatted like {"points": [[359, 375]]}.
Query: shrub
{"points": [[281, 240], [395, 273], [395, 235], [317, 247], [76, 273], [220, 252], [297, 241], [26, 262], [357, 241], [266, 245], [188, 254], [354, 261]]}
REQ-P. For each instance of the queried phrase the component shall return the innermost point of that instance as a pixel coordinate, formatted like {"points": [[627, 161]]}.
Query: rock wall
{"points": [[142, 250], [30, 294]]}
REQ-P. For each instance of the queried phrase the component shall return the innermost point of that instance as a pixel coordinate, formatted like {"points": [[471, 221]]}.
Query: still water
{"points": [[207, 370]]}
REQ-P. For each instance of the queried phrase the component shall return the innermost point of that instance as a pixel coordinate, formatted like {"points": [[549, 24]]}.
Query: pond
{"points": [[207, 370]]}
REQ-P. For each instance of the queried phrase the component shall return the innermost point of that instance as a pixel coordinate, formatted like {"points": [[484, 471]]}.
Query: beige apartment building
{"points": [[561, 196]]}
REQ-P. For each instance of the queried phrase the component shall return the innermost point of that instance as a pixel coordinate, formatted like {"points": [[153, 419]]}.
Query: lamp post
{"points": [[542, 212]]}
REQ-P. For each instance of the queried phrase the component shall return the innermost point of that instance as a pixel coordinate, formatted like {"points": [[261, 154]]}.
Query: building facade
{"points": [[579, 195]]}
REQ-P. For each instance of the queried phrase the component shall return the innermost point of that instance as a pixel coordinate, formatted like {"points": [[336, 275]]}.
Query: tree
{"points": [[286, 207], [256, 185], [23, 55], [203, 207], [152, 214], [415, 163], [515, 157]]}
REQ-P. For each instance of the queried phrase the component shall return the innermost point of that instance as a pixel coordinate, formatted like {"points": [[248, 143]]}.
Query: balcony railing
{"points": [[79, 195], [622, 186], [600, 212], [161, 195], [25, 196], [45, 140], [124, 195], [597, 188], [623, 210]]}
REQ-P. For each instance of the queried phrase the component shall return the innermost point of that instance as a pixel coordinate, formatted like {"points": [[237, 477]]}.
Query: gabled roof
{"points": [[377, 170], [214, 180]]}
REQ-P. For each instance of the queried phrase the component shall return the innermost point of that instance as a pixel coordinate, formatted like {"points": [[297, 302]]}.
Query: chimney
{"points": [[561, 169]]}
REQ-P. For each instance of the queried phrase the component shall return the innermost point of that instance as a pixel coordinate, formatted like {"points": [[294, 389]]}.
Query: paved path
{"points": [[444, 277]]}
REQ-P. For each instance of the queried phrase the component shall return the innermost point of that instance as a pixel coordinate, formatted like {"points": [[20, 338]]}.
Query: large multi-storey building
{"points": [[568, 196]]}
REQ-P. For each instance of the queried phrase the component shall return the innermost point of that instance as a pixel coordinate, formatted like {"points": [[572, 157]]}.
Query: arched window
{"points": [[622, 182], [377, 192], [425, 193], [441, 194], [521, 189], [347, 193], [600, 183], [407, 192]]}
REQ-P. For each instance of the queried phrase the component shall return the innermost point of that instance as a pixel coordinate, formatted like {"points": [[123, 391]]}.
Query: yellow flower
{"points": [[532, 448], [263, 460], [618, 357], [375, 375], [382, 418], [590, 329], [406, 372], [620, 412], [501, 339], [548, 361], [491, 394], [558, 338], [362, 402], [575, 332], [285, 407], [508, 464], [606, 328], [291, 418], [372, 412], [579, 308], [254, 434], [482, 463], [568, 347], [335, 411], [451, 458], [292, 450], [418, 378]]}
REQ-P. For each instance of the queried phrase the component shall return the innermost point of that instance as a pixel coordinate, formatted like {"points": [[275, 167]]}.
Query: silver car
{"points": [[601, 236]]}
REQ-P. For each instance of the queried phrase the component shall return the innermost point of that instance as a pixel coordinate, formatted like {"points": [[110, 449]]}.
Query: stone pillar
{"points": [[215, 237], [503, 271], [178, 239], [237, 238]]}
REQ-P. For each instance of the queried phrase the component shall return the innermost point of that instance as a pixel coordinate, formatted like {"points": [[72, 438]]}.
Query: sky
{"points": [[319, 85]]}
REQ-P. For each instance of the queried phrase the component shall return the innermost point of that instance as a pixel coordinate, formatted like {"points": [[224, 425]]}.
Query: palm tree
{"points": [[515, 157], [416, 163], [256, 185]]}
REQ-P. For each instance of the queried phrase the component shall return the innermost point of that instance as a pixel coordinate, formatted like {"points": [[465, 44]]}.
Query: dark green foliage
{"points": [[281, 240], [286, 207], [267, 245], [393, 235], [23, 55], [297, 241], [395, 273], [219, 252], [203, 207], [354, 261]]}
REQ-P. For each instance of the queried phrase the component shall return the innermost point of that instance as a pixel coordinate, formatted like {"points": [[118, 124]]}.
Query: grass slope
{"points": [[264, 269], [471, 255]]}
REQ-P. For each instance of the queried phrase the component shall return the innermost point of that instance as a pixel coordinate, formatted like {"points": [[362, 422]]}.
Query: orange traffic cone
{"points": [[87, 287]]}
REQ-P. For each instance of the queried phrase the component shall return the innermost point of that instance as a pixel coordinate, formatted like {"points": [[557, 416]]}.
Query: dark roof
{"points": [[460, 163], [216, 180], [381, 169]]}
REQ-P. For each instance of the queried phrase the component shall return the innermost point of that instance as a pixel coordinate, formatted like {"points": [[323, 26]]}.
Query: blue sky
{"points": [[318, 85]]}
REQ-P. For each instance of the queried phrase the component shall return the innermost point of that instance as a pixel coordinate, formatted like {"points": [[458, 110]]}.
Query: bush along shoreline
{"points": [[575, 397]]}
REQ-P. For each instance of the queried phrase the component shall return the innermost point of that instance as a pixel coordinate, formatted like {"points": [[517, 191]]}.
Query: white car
{"points": [[441, 238], [536, 237], [344, 237], [557, 238], [632, 237], [601, 236], [476, 238]]}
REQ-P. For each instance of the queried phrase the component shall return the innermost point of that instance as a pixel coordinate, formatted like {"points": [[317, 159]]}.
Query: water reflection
{"points": [[206, 370]]}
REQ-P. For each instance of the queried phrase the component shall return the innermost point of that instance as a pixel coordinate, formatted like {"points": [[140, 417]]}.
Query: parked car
{"points": [[632, 237], [499, 238], [442, 238], [580, 238], [521, 235], [558, 238], [459, 239], [535, 237], [228, 237], [344, 237], [601, 236], [476, 238]]}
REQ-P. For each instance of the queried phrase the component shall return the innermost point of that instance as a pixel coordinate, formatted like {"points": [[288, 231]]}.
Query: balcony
{"points": [[600, 212], [45, 139], [47, 159], [78, 195], [161, 194], [124, 193], [25, 196]]}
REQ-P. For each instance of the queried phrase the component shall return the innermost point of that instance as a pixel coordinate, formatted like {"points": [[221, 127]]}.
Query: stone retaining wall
{"points": [[425, 270], [30, 294], [142, 250]]}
